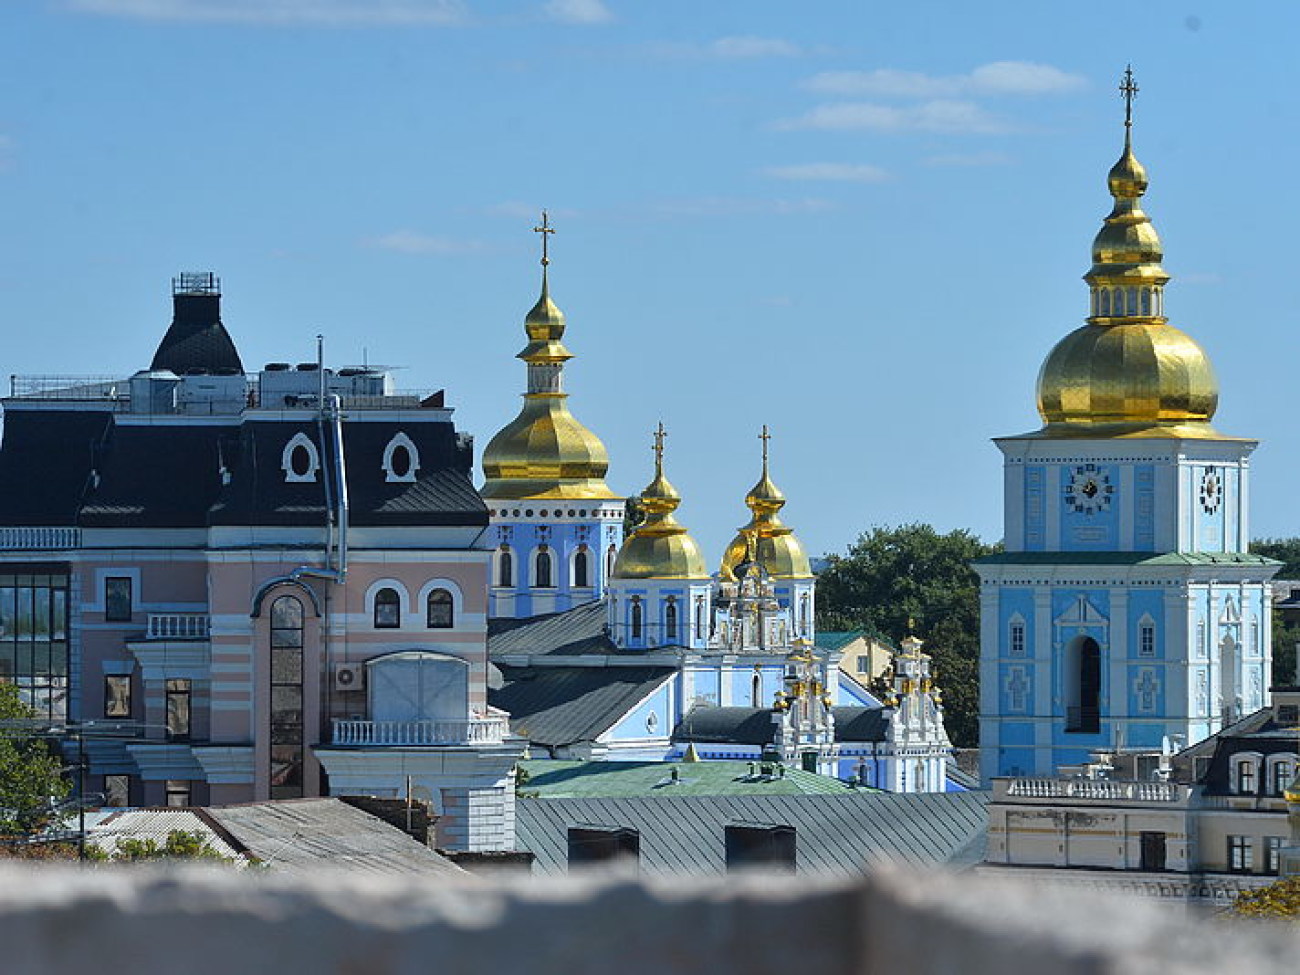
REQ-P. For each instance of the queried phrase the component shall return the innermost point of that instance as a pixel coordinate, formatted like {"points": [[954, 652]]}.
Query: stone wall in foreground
{"points": [[215, 922]]}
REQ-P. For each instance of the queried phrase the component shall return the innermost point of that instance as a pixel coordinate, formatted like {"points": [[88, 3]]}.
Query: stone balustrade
{"points": [[31, 538], [177, 626], [1108, 790], [60, 921], [470, 731]]}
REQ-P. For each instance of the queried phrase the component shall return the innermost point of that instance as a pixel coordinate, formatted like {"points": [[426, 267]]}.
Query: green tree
{"points": [[911, 576], [31, 779], [1285, 634]]}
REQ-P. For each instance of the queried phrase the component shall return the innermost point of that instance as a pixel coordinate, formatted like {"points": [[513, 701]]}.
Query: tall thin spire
{"points": [[660, 434], [765, 437], [1128, 89]]}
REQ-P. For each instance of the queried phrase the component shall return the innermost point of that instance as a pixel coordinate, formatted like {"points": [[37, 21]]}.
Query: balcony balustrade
{"points": [[1103, 789], [177, 626], [24, 539], [471, 731]]}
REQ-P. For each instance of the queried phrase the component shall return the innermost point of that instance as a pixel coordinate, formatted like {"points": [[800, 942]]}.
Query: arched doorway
{"points": [[1083, 685]]}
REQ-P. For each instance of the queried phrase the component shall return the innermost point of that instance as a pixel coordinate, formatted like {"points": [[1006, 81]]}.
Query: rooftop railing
{"points": [[470, 731], [1100, 789]]}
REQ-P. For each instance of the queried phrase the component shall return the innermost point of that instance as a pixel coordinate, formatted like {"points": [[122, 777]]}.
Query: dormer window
{"points": [[1245, 784], [300, 460], [401, 460]]}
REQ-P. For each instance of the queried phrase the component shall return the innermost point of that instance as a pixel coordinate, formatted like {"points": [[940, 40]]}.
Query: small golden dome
{"points": [[1127, 372], [660, 548], [774, 545], [544, 452]]}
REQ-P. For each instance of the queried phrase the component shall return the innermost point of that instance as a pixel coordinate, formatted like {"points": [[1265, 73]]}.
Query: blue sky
{"points": [[862, 224]]}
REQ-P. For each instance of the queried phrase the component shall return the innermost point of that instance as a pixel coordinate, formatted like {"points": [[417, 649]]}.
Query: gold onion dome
{"points": [[660, 548], [1127, 372], [766, 540], [544, 452]]}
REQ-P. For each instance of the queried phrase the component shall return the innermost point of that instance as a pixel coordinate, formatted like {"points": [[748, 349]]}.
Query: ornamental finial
{"points": [[660, 434], [1128, 89], [545, 229], [765, 437]]}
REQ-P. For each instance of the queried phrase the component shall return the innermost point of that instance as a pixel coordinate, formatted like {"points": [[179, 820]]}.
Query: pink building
{"points": [[253, 585]]}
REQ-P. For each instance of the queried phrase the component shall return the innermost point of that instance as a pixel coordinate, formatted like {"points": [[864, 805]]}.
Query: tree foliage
{"points": [[179, 845], [31, 779], [1280, 899], [1285, 635], [912, 577]]}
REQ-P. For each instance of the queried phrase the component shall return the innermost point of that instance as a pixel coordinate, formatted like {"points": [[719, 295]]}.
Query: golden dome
{"points": [[660, 548], [766, 540], [1127, 372], [544, 452]]}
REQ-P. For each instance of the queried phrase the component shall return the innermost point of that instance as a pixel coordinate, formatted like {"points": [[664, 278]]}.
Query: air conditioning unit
{"points": [[349, 677]]}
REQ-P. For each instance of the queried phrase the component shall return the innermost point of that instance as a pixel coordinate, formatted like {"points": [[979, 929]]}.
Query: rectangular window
{"points": [[34, 640], [117, 790], [117, 696], [1246, 778], [864, 664], [1017, 639], [1147, 641], [1283, 773], [1273, 854], [178, 709], [178, 792], [117, 599], [1241, 854]]}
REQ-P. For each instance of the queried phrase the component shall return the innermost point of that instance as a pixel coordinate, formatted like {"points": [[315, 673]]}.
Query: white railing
{"points": [[177, 626], [17, 539], [1105, 789], [472, 731]]}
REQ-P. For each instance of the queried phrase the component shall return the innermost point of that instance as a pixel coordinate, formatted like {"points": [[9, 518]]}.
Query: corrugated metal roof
{"points": [[576, 632], [304, 834], [157, 825], [836, 835], [590, 780], [563, 705]]}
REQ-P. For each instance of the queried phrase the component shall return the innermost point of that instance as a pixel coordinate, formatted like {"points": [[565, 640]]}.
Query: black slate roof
{"points": [[753, 726], [557, 706], [580, 631], [835, 834], [46, 459], [1257, 732]]}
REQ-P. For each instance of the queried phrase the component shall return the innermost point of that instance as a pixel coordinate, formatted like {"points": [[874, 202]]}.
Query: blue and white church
{"points": [[1125, 611], [617, 645]]}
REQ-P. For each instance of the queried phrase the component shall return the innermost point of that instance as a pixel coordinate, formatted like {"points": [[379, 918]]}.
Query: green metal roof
{"points": [[617, 780], [1126, 558]]}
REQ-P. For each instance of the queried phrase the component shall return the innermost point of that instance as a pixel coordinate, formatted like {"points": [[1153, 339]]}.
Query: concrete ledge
{"points": [[216, 922]]}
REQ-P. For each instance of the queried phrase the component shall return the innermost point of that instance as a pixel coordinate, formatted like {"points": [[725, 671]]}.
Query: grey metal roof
{"points": [[753, 726], [836, 835], [576, 632], [558, 706], [302, 834]]}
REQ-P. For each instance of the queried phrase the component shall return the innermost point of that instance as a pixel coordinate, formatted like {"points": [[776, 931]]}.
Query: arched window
{"points": [[505, 568], [388, 609], [700, 631], [287, 726], [299, 459], [1105, 303], [543, 577], [581, 572], [610, 554], [401, 460], [803, 615], [670, 619], [756, 692], [1083, 685], [439, 610], [636, 618], [1017, 639]]}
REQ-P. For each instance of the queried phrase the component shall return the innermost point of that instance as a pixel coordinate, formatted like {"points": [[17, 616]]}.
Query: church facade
{"points": [[1125, 611]]}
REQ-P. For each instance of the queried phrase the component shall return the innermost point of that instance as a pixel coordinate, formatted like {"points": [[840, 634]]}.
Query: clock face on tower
{"points": [[1088, 490], [1211, 491]]}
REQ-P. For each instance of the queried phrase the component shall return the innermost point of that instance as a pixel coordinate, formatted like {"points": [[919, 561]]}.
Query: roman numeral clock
{"points": [[1088, 490]]}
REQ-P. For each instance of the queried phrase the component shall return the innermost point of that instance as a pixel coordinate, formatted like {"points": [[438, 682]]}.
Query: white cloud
{"points": [[996, 78], [969, 159], [934, 116], [831, 172], [578, 11], [413, 242], [748, 46], [326, 13]]}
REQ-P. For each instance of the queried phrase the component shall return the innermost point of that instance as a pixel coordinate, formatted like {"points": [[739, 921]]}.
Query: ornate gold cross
{"points": [[1129, 89], [545, 230]]}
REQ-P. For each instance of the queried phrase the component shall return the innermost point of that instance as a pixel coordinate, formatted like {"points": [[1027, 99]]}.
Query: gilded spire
{"points": [[544, 452], [660, 548], [766, 540], [1127, 372]]}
